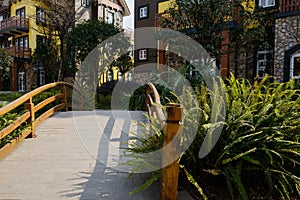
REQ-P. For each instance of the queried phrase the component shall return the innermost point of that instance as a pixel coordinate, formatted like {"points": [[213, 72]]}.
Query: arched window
{"points": [[295, 66], [21, 80]]}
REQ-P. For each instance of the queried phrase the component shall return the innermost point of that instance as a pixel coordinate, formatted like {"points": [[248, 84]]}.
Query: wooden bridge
{"points": [[57, 164]]}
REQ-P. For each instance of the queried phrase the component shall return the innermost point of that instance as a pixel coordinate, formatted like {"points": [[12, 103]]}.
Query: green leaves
{"points": [[5, 64], [259, 147]]}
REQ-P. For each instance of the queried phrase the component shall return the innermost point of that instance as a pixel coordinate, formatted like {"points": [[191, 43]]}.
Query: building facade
{"points": [[287, 40], [281, 57], [145, 59], [112, 11], [19, 22]]}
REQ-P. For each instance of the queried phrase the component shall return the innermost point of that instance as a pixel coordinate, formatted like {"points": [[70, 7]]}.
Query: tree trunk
{"points": [[60, 73]]}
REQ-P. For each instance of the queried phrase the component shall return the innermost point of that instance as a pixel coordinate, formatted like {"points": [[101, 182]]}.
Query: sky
{"points": [[129, 21]]}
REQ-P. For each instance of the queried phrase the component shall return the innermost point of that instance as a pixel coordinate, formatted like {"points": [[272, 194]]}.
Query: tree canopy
{"points": [[86, 36], [60, 18], [204, 21], [5, 64]]}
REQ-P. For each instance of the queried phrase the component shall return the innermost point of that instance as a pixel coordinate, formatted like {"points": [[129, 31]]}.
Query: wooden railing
{"points": [[171, 123], [13, 23], [18, 52], [153, 104], [30, 113]]}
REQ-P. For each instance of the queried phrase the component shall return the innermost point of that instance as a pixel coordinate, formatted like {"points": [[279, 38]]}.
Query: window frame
{"points": [[40, 15], [292, 66], [267, 5], [143, 56], [22, 42], [113, 17], [85, 3], [145, 14], [41, 41], [18, 12], [42, 76], [262, 64], [21, 80]]}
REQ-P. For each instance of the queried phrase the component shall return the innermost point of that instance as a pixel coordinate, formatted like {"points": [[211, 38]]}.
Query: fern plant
{"points": [[258, 152]]}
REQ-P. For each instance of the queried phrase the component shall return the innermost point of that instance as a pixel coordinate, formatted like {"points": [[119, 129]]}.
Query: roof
{"points": [[125, 7]]}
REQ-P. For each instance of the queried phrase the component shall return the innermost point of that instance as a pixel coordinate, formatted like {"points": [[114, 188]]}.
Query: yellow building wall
{"points": [[30, 13], [163, 6]]}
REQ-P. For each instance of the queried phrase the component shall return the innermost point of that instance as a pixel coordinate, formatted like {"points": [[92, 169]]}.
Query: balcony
{"points": [[289, 5], [14, 26], [18, 52]]}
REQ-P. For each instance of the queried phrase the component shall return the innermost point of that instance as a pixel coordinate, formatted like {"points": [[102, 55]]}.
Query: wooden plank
{"points": [[47, 114], [7, 130], [169, 179], [29, 95], [9, 147], [48, 101]]}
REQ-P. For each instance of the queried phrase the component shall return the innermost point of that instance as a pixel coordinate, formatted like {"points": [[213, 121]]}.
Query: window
{"points": [[143, 12], [40, 15], [20, 12], [263, 63], [3, 16], [17, 42], [22, 42], [21, 80], [143, 54], [40, 41], [41, 76], [26, 42], [266, 3], [295, 66], [85, 3], [110, 17]]}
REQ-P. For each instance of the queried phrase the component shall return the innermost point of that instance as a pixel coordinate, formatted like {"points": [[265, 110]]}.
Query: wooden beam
{"points": [[169, 180]]}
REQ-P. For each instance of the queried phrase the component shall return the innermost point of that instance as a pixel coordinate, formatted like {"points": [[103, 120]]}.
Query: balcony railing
{"points": [[14, 25], [18, 52], [289, 5]]}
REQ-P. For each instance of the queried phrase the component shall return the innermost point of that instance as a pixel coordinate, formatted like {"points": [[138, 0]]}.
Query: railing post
{"points": [[65, 98], [169, 180], [30, 107], [147, 100]]}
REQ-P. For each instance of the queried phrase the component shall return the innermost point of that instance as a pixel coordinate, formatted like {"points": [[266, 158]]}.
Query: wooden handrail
{"points": [[29, 115], [154, 107], [7, 108], [171, 124]]}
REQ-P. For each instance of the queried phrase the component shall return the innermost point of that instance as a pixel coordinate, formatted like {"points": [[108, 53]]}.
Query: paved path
{"points": [[56, 165], [65, 160]]}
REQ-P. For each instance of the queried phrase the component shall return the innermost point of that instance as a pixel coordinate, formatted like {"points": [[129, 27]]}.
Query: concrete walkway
{"points": [[57, 165], [74, 156]]}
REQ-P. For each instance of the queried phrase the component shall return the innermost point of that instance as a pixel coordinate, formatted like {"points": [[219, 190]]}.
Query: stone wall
{"points": [[285, 30]]}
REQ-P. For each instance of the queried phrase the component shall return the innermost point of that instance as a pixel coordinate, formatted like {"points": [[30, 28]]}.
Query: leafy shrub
{"points": [[9, 118], [5, 121], [11, 96], [258, 152], [104, 102]]}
